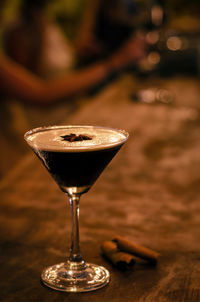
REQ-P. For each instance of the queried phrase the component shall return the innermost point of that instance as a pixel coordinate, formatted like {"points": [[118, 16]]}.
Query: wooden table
{"points": [[150, 194]]}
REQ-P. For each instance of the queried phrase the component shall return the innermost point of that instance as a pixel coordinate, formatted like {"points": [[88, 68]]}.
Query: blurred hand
{"points": [[133, 51]]}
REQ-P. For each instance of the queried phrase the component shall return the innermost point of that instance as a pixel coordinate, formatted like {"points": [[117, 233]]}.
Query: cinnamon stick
{"points": [[120, 259], [136, 249]]}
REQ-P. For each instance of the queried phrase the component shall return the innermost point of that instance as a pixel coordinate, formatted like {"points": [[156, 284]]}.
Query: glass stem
{"points": [[75, 253]]}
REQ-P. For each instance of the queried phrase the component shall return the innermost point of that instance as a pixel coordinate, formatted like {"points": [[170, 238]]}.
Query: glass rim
{"points": [[50, 127]]}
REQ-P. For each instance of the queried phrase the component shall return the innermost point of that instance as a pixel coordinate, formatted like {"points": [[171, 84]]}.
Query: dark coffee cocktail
{"points": [[76, 159], [75, 156]]}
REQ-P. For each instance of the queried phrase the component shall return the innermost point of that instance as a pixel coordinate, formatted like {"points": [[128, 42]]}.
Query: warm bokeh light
{"points": [[152, 37], [174, 43], [153, 58], [157, 15]]}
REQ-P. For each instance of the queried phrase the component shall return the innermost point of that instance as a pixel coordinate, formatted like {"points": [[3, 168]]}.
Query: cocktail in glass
{"points": [[75, 156]]}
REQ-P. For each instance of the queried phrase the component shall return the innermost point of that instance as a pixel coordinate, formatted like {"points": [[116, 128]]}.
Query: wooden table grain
{"points": [[150, 194]]}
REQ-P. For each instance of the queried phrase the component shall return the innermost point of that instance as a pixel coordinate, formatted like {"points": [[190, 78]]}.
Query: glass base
{"points": [[62, 278]]}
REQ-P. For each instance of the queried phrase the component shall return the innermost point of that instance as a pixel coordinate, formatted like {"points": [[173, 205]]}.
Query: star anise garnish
{"points": [[75, 138]]}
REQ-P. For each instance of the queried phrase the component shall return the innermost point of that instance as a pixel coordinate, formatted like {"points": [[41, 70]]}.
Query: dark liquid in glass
{"points": [[77, 169]]}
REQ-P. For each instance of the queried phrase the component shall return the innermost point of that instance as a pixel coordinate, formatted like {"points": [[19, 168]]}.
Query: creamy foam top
{"points": [[50, 139]]}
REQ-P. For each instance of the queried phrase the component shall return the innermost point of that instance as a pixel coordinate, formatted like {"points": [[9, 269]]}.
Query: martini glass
{"points": [[75, 156]]}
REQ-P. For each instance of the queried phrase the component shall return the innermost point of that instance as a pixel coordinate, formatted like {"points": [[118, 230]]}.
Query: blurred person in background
{"points": [[37, 45], [38, 69]]}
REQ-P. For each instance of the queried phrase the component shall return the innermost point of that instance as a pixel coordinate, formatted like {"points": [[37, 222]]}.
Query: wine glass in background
{"points": [[151, 22], [75, 156]]}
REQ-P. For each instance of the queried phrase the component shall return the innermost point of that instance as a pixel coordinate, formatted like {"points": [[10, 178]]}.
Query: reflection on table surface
{"points": [[149, 194]]}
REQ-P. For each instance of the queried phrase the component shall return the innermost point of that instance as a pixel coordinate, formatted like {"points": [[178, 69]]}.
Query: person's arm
{"points": [[19, 82]]}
